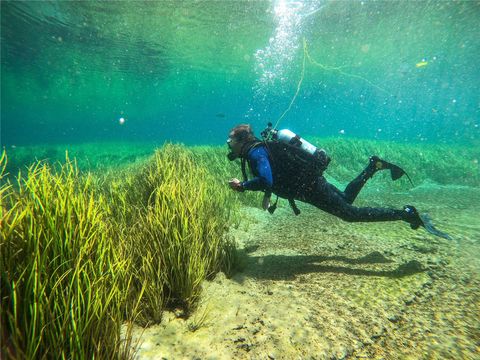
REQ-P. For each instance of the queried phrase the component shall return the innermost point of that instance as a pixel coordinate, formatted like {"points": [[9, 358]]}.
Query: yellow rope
{"points": [[330, 68], [306, 55], [298, 85]]}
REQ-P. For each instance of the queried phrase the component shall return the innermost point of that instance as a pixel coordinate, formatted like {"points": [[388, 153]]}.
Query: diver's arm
{"points": [[264, 180]]}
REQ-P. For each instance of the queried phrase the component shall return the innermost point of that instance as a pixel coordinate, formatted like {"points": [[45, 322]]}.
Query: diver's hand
{"points": [[236, 185]]}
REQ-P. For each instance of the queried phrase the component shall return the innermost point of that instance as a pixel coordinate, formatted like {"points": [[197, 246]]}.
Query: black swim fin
{"points": [[415, 219], [396, 172], [428, 225]]}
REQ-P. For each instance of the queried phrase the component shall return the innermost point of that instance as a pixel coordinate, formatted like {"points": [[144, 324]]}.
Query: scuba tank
{"points": [[289, 137]]}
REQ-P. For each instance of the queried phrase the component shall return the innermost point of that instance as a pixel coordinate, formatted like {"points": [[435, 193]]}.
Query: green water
{"points": [[188, 71]]}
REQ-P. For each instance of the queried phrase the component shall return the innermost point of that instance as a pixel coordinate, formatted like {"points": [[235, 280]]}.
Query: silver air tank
{"points": [[289, 137]]}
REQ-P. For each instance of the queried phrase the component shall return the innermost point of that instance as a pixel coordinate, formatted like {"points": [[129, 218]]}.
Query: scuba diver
{"points": [[290, 167]]}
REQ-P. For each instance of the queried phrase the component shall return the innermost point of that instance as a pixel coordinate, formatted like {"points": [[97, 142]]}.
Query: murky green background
{"points": [[189, 71]]}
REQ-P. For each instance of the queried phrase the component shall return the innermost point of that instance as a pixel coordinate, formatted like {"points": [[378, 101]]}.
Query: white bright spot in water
{"points": [[365, 48], [277, 57], [342, 132], [121, 121]]}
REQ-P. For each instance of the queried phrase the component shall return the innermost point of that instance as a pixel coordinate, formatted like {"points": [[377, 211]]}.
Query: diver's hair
{"points": [[243, 132]]}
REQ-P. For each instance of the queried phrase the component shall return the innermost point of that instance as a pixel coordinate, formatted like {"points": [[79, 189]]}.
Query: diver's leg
{"points": [[375, 164], [326, 197], [353, 188]]}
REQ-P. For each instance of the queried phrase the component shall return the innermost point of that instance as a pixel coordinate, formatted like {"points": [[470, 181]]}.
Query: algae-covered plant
{"points": [[85, 252], [177, 217], [81, 255], [424, 162], [63, 273]]}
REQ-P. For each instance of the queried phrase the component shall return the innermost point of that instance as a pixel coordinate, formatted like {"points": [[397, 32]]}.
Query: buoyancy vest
{"points": [[293, 169]]}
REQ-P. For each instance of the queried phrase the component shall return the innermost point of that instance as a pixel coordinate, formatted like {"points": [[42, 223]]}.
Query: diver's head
{"points": [[238, 137]]}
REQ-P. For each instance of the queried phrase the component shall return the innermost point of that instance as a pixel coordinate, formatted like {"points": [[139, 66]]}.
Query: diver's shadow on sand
{"points": [[284, 267]]}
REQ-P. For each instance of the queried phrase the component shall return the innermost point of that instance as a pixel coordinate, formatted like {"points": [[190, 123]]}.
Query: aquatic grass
{"points": [[139, 238], [179, 237], [97, 157], [214, 158], [63, 279], [441, 164], [174, 215], [200, 319]]}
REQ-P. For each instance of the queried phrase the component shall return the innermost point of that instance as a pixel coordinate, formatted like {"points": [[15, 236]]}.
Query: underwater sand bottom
{"points": [[315, 287]]}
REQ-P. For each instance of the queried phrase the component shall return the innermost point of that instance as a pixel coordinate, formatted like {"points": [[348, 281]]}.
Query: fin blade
{"points": [[396, 172], [428, 225]]}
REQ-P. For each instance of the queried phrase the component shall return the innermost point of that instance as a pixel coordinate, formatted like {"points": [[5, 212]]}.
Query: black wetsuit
{"points": [[315, 189]]}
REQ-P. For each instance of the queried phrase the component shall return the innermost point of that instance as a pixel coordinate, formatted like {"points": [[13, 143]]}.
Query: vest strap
{"points": [[294, 207], [244, 170]]}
